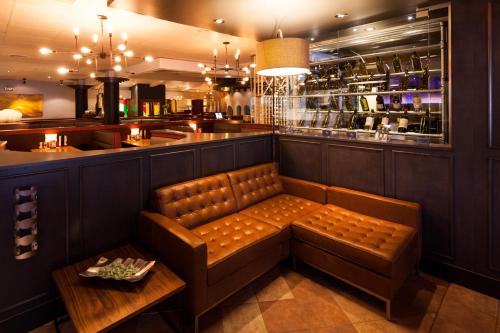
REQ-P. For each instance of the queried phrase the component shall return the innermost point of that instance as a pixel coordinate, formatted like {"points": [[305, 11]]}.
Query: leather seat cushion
{"points": [[281, 209], [195, 202], [255, 184], [235, 241], [367, 241]]}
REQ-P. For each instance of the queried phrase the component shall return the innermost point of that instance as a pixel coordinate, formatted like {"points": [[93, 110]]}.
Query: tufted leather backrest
{"points": [[254, 184], [196, 202]]}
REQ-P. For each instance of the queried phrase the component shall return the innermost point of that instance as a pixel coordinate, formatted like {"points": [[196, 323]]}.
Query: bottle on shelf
{"points": [[415, 62], [314, 120], [403, 122], [417, 102], [396, 63], [424, 82], [339, 120], [380, 66], [333, 103], [348, 103], [369, 86], [348, 70], [370, 121], [387, 83], [353, 121], [396, 103], [425, 122], [380, 103], [362, 68], [364, 104], [405, 81], [386, 119], [326, 120], [302, 121]]}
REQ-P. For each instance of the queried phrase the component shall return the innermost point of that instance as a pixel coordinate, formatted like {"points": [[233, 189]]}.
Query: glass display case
{"points": [[384, 81]]}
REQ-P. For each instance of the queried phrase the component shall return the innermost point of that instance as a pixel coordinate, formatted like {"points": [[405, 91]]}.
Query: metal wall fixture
{"points": [[26, 222]]}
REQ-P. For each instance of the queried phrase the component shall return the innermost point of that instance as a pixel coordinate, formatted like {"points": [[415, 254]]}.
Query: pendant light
{"points": [[282, 56]]}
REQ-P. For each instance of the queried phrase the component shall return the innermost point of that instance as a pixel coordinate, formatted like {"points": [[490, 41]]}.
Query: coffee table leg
{"points": [[165, 319]]}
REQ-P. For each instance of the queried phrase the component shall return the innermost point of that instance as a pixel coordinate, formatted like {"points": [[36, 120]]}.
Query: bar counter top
{"points": [[9, 159]]}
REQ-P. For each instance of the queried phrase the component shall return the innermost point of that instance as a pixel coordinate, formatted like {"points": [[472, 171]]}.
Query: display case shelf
{"points": [[367, 112], [391, 92]]}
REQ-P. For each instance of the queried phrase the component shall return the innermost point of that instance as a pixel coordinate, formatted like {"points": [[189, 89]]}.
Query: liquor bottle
{"points": [[339, 121], [380, 103], [425, 123], [370, 121], [362, 68], [380, 66], [415, 62], [386, 118], [353, 121], [333, 104], [348, 103], [396, 63], [369, 86], [403, 122], [364, 104], [326, 120], [417, 102], [314, 121], [387, 83], [424, 82], [405, 81], [348, 70], [396, 103]]}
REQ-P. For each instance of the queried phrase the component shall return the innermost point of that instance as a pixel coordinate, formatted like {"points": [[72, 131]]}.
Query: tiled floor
{"points": [[306, 300]]}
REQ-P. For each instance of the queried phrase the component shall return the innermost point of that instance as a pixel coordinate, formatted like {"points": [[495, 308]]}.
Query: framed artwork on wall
{"points": [[30, 105]]}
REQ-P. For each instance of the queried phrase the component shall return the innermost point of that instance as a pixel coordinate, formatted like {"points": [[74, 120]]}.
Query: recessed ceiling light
{"points": [[370, 29], [410, 17], [219, 20], [311, 39], [341, 15], [355, 29]]}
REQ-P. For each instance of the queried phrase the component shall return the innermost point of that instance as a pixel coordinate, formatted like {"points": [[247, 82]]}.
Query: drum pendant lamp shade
{"points": [[282, 56]]}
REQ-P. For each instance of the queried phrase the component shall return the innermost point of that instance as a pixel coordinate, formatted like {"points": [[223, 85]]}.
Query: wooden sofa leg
{"points": [[388, 309]]}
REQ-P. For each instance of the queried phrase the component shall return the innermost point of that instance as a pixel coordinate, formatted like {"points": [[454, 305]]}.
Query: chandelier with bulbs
{"points": [[225, 68], [103, 55]]}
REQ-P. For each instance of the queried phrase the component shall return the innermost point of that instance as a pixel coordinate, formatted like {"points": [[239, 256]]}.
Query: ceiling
{"points": [[259, 19], [169, 29]]}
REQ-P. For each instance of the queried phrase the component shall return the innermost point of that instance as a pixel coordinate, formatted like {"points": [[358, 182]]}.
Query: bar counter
{"points": [[9, 159]]}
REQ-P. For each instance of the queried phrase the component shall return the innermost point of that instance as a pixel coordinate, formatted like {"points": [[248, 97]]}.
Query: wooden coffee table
{"points": [[97, 305]]}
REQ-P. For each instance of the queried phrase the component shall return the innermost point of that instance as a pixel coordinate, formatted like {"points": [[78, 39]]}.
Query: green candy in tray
{"points": [[129, 269]]}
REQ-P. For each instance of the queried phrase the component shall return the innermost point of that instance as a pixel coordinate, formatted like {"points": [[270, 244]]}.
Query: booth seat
{"points": [[219, 233]]}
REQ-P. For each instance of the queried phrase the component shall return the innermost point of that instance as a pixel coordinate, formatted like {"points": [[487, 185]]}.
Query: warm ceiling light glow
{"points": [[312, 39], [76, 31], [77, 56], [228, 76], [246, 78], [125, 36], [215, 52], [209, 83], [85, 50], [246, 69], [92, 75], [118, 59], [341, 15], [252, 65], [208, 79], [243, 81], [109, 28], [370, 29], [410, 18], [89, 61], [355, 29], [62, 70], [207, 69], [95, 38], [226, 66], [129, 53], [200, 65], [45, 51], [122, 47], [117, 68], [203, 72], [148, 58], [219, 20]]}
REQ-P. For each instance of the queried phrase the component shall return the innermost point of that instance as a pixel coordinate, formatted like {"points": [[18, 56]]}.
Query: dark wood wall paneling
{"points": [[300, 158], [90, 205]]}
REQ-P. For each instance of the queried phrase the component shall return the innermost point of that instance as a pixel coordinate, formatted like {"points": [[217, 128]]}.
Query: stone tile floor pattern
{"points": [[305, 300]]}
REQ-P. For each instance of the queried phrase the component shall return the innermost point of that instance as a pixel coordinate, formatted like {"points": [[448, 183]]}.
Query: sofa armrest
{"points": [[181, 250], [304, 189], [393, 210]]}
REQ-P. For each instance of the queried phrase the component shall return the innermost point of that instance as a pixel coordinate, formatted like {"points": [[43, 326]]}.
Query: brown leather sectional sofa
{"points": [[221, 232]]}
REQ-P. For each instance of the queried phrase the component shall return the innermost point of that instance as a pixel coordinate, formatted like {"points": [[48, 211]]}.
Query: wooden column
{"points": [[81, 99], [111, 98]]}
